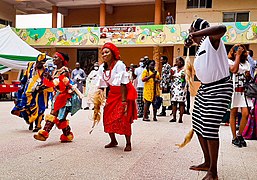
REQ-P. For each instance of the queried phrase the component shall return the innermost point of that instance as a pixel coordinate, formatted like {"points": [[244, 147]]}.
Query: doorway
{"points": [[87, 58]]}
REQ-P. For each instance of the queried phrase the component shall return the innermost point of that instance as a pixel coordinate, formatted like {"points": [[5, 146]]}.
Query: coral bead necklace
{"points": [[108, 77]]}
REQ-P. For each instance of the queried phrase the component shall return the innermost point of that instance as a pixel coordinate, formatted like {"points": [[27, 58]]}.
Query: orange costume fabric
{"points": [[115, 119]]}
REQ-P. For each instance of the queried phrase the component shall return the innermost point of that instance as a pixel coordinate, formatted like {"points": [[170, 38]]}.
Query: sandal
{"points": [[198, 168], [128, 148], [111, 145], [173, 120]]}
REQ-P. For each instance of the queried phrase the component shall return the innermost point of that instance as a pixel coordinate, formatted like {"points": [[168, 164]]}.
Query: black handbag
{"points": [[250, 88], [157, 102]]}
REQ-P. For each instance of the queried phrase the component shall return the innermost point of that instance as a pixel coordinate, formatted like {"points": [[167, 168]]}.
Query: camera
{"points": [[188, 41]]}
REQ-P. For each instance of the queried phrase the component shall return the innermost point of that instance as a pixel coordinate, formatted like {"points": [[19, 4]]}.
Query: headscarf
{"points": [[200, 24], [115, 51], [41, 57], [64, 57]]}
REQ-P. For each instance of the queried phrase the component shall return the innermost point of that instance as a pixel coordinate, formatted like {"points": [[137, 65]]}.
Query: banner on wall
{"points": [[148, 35], [118, 34]]}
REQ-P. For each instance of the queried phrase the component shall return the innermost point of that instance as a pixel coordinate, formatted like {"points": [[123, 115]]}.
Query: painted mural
{"points": [[148, 35]]}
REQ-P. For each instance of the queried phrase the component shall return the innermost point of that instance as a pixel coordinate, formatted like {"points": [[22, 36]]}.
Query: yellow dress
{"points": [[148, 92]]}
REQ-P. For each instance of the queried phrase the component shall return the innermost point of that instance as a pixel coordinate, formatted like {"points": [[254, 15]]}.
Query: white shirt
{"points": [[93, 76], [118, 75], [239, 78], [211, 65], [238, 98], [138, 72]]}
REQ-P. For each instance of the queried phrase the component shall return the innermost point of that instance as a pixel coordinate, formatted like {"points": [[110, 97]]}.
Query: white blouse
{"points": [[239, 77], [210, 64], [238, 98], [118, 75]]}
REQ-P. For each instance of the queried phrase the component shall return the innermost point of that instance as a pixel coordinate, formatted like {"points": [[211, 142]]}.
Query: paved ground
{"points": [[154, 155]]}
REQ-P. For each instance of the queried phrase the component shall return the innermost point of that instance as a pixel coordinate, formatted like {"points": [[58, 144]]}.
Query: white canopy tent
{"points": [[14, 52]]}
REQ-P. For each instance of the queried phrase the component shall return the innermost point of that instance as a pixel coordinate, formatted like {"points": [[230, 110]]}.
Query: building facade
{"points": [[134, 14]]}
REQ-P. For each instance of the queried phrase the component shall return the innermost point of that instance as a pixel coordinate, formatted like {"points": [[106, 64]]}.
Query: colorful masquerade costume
{"points": [[114, 118], [64, 102], [32, 96]]}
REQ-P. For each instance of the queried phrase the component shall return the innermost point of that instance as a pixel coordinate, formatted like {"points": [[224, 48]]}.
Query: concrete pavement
{"points": [[154, 155]]}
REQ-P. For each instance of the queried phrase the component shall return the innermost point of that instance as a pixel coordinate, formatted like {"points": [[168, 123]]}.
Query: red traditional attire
{"points": [[116, 120]]}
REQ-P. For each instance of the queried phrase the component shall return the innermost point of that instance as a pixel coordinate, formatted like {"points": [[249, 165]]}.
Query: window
{"points": [[4, 22], [235, 16], [199, 3], [87, 58]]}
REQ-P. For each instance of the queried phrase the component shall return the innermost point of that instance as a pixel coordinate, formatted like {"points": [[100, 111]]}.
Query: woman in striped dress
{"points": [[214, 94]]}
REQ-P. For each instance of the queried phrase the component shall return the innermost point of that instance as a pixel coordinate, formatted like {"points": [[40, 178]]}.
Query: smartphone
{"points": [[236, 48]]}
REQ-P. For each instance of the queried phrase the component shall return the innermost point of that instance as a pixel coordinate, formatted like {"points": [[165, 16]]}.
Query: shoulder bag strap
{"points": [[247, 103], [154, 87]]}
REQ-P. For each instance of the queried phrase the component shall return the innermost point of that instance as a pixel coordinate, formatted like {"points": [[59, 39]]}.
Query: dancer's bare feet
{"points": [[210, 176], [128, 147], [200, 167], [111, 144]]}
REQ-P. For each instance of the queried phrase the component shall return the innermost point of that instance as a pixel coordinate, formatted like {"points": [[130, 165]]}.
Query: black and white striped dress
{"points": [[211, 104], [214, 94]]}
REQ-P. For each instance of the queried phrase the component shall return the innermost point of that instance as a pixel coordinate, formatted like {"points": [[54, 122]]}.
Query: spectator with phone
{"points": [[151, 78], [241, 73]]}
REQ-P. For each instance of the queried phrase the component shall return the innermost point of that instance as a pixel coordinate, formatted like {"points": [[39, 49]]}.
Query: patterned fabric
{"points": [[250, 131], [64, 101], [114, 118], [211, 104], [140, 101], [178, 88], [166, 79], [31, 102], [148, 92]]}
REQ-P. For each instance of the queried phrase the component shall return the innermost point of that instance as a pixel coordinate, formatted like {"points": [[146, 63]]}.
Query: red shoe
{"points": [[68, 138]]}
